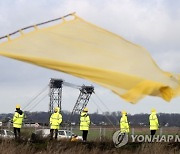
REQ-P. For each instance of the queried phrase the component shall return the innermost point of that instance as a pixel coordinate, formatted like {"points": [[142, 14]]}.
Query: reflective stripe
{"points": [[84, 121], [124, 125], [17, 123], [17, 120], [55, 120], [124, 122], [153, 122]]}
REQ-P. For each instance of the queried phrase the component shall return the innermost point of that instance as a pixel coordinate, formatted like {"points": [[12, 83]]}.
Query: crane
{"points": [[56, 95]]}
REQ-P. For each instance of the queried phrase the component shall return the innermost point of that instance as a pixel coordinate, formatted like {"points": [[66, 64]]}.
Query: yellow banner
{"points": [[84, 50]]}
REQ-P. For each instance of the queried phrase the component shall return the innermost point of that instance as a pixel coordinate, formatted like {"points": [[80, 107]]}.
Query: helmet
{"points": [[56, 109], [153, 110], [124, 112], [85, 109], [18, 106]]}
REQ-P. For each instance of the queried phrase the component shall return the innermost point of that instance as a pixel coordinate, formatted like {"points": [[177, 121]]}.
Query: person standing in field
{"points": [[84, 123], [17, 122], [55, 121], [124, 124], [153, 121]]}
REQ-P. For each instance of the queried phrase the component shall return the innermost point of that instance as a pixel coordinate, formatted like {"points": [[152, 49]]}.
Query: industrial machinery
{"points": [[56, 95]]}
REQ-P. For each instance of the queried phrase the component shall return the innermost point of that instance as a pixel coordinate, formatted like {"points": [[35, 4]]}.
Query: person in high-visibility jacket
{"points": [[124, 125], [55, 121], [153, 121], [17, 122], [84, 123]]}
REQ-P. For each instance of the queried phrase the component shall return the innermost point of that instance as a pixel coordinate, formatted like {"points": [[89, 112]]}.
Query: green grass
{"points": [[94, 133]]}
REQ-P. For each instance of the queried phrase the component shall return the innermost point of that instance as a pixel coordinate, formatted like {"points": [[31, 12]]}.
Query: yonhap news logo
{"points": [[121, 139], [155, 138]]}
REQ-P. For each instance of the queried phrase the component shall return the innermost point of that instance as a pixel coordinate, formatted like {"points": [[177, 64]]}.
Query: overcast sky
{"points": [[153, 24]]}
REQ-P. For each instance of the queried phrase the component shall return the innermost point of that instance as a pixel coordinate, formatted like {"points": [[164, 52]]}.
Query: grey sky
{"points": [[153, 24]]}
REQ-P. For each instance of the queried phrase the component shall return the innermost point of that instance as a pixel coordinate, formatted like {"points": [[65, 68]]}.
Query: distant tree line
{"points": [[107, 118]]}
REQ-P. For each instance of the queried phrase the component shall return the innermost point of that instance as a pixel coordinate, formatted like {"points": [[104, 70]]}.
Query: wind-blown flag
{"points": [[84, 50]]}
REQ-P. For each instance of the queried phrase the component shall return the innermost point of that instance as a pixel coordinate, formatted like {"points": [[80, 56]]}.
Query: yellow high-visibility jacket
{"points": [[84, 121], [55, 120], [153, 120], [18, 119], [124, 125]]}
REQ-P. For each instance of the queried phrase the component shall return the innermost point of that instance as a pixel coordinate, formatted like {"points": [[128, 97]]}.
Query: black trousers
{"points": [[84, 135], [17, 133], [153, 132], [52, 133]]}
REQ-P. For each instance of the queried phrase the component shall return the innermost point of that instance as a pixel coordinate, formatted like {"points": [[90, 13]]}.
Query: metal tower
{"points": [[82, 101], [55, 93]]}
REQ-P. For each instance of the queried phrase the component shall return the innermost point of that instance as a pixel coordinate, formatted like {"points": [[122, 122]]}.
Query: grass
{"points": [[95, 133], [93, 147]]}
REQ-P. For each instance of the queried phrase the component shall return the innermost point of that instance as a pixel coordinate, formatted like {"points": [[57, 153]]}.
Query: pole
{"points": [[100, 132]]}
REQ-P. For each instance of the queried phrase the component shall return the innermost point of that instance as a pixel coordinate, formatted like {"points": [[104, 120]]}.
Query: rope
{"points": [[104, 115], [37, 25], [35, 97], [38, 102], [34, 107], [106, 107]]}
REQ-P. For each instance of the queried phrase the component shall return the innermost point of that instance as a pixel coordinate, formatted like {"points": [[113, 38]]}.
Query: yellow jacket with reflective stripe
{"points": [[18, 119], [153, 120], [84, 121], [55, 120], [124, 125]]}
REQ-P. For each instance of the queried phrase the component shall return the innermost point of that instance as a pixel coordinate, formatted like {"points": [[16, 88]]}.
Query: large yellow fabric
{"points": [[84, 50]]}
